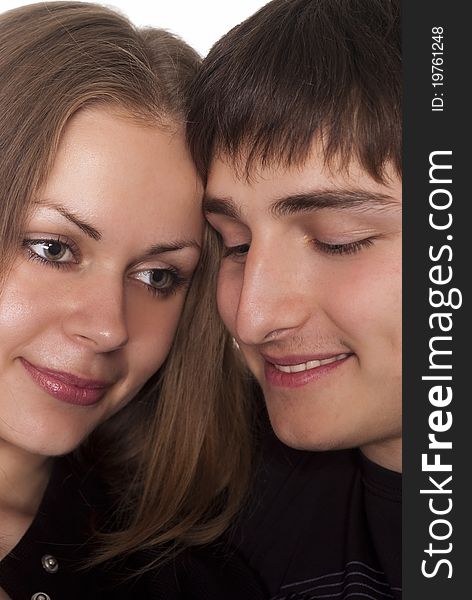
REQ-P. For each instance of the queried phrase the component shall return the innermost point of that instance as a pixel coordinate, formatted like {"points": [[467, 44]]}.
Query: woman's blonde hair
{"points": [[177, 456]]}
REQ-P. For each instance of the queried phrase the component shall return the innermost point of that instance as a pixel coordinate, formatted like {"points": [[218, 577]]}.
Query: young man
{"points": [[296, 124]]}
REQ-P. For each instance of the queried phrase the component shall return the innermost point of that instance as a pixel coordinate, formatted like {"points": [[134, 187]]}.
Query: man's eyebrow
{"points": [[221, 206], [79, 222], [338, 199], [307, 202], [175, 246]]}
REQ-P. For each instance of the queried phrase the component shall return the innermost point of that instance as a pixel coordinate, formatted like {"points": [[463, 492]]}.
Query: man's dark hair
{"points": [[300, 69]]}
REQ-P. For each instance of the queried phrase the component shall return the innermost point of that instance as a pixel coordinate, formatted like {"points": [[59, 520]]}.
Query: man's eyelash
{"points": [[336, 249], [238, 250], [340, 249]]}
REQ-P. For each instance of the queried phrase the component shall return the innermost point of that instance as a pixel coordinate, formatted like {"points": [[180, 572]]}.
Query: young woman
{"points": [[100, 241]]}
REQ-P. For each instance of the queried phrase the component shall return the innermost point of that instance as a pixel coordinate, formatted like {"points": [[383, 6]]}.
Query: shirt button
{"points": [[50, 565], [40, 596]]}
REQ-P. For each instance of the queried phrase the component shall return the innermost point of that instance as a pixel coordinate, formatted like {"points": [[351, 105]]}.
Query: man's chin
{"points": [[299, 437]]}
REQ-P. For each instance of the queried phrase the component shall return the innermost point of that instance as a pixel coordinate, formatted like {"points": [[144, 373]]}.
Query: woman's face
{"points": [[91, 306]]}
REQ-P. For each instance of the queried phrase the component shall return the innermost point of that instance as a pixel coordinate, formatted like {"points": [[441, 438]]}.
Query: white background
{"points": [[198, 22]]}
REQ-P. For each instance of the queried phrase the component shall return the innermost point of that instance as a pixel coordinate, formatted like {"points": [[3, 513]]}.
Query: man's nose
{"points": [[273, 299]]}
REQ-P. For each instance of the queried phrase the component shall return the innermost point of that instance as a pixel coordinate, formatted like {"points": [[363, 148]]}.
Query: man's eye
{"points": [[49, 251], [239, 251], [340, 249]]}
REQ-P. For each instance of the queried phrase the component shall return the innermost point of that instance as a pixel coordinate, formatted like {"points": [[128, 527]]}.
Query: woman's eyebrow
{"points": [[79, 222], [96, 235], [157, 249], [311, 201]]}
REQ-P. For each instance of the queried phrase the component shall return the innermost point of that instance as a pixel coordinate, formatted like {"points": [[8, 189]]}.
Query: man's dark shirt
{"points": [[323, 525]]}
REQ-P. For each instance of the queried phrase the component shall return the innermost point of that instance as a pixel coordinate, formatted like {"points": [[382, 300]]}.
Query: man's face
{"points": [[310, 287]]}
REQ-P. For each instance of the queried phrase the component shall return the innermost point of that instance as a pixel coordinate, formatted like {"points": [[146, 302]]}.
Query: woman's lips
{"points": [[66, 387], [298, 371]]}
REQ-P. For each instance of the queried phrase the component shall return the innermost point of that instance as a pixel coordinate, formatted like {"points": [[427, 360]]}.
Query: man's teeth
{"points": [[312, 364]]}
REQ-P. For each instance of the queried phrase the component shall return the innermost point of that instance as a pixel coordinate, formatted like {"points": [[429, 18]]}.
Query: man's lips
{"points": [[298, 370], [68, 387], [313, 360]]}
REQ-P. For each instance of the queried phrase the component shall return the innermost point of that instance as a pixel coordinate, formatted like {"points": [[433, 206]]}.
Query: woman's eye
{"points": [[51, 251], [161, 281]]}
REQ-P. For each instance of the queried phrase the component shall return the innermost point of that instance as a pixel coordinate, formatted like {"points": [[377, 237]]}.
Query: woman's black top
{"points": [[47, 563], [46, 559]]}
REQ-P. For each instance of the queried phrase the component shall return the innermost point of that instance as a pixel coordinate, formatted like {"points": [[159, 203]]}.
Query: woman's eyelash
{"points": [[340, 249], [28, 244], [178, 281]]}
